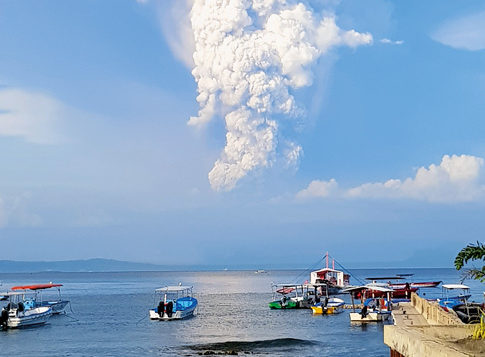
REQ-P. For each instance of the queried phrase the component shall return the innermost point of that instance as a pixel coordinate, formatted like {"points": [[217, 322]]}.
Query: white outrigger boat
{"points": [[335, 280], [22, 311], [374, 308], [175, 303], [57, 304]]}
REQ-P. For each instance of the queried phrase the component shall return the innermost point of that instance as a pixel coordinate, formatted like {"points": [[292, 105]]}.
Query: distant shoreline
{"points": [[194, 269]]}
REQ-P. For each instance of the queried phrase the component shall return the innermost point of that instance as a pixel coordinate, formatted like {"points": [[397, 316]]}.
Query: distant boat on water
{"points": [[260, 271]]}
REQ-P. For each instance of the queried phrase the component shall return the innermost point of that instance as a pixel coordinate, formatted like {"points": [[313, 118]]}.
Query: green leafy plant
{"points": [[471, 252]]}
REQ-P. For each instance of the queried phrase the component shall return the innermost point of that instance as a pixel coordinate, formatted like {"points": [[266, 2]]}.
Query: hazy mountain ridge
{"points": [[96, 264]]}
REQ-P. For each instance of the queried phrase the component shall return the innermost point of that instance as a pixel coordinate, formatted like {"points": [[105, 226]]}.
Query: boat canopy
{"points": [[174, 288], [36, 286], [285, 291], [455, 286], [289, 285], [379, 287]]}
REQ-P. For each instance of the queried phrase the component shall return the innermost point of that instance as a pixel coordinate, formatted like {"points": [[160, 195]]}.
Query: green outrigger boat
{"points": [[290, 304], [293, 296]]}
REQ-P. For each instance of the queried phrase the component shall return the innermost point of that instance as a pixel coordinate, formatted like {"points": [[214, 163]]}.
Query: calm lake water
{"points": [[110, 317]]}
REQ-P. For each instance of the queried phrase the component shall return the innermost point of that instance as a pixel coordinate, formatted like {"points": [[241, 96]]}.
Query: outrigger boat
{"points": [[260, 271], [328, 306], [293, 296], [455, 298], [336, 280], [375, 309], [427, 284], [57, 304], [22, 311], [399, 292], [323, 305], [175, 303]]}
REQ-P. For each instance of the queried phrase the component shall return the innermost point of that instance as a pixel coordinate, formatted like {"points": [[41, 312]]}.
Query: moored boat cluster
{"points": [[371, 302]]}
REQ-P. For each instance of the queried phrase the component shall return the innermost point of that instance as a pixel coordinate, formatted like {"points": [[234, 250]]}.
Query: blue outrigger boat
{"points": [[57, 304], [468, 312], [174, 303]]}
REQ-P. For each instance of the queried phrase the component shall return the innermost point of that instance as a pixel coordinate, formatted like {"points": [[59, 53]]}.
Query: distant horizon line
{"points": [[114, 265]]}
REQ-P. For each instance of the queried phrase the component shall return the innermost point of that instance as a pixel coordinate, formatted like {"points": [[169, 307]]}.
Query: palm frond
{"points": [[470, 252], [477, 274]]}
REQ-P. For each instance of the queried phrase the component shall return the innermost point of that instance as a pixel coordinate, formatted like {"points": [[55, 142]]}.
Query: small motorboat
{"points": [[174, 303], [21, 311], [291, 296], [374, 308], [57, 304], [328, 307], [260, 271], [455, 298]]}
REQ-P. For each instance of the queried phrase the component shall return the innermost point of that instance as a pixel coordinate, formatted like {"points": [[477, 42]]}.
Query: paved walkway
{"points": [[407, 315]]}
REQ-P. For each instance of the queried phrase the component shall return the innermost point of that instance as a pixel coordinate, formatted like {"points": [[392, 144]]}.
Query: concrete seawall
{"points": [[423, 328]]}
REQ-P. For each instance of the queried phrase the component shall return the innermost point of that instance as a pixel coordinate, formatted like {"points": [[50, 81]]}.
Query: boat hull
{"points": [[181, 311], [177, 315], [430, 284], [370, 317], [56, 306], [329, 310], [334, 306], [36, 316], [280, 306]]}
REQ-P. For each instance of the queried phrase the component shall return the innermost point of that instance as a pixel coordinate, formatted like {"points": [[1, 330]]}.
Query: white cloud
{"points": [[3, 214], [14, 210], [390, 42], [467, 32], [248, 58], [176, 28], [33, 116], [319, 189], [455, 179]]}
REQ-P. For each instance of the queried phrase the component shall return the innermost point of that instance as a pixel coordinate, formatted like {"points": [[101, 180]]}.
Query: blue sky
{"points": [[381, 150]]}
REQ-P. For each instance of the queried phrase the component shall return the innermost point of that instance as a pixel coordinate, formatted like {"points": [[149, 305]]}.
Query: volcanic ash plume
{"points": [[248, 57]]}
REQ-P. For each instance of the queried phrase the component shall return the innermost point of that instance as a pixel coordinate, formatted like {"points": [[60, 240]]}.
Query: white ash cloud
{"points": [[3, 214], [33, 116], [391, 42], [463, 33], [249, 56], [455, 179]]}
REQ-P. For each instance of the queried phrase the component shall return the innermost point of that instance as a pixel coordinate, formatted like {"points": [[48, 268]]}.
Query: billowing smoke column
{"points": [[248, 56]]}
